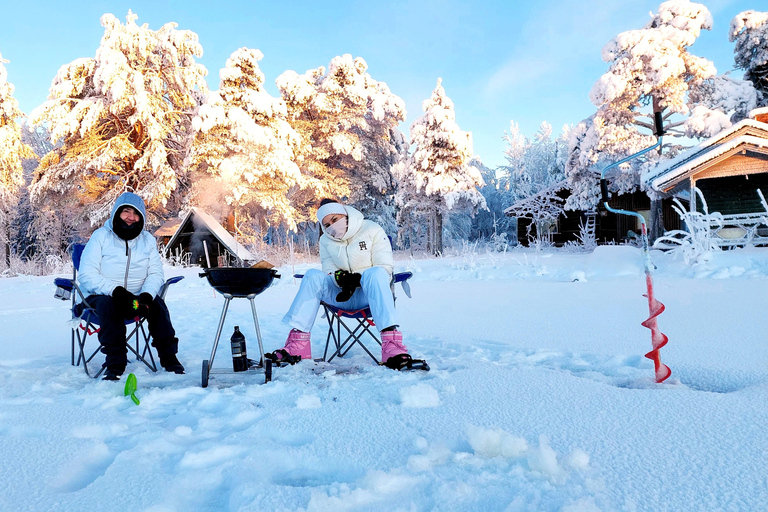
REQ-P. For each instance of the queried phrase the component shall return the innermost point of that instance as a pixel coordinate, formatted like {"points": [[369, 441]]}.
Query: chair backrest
{"points": [[77, 253]]}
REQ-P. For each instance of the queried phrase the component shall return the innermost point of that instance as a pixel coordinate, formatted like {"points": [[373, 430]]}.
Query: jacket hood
{"points": [[127, 199], [354, 222]]}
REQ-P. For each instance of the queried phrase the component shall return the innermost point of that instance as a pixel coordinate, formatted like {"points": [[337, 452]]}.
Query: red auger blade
{"points": [[658, 338]]}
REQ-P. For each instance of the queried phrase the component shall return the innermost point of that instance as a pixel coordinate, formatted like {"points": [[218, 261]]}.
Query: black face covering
{"points": [[123, 230]]}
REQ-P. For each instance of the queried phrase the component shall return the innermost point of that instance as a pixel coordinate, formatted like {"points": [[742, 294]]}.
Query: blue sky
{"points": [[499, 60]]}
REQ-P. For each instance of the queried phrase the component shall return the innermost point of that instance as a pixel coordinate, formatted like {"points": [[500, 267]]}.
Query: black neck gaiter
{"points": [[124, 231]]}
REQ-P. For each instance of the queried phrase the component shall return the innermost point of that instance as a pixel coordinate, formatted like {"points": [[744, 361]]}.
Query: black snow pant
{"points": [[112, 329]]}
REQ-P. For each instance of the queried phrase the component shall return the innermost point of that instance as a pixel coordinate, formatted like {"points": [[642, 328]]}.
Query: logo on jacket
{"points": [[363, 247]]}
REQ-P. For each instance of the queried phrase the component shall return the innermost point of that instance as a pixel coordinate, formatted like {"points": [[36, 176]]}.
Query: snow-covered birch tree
{"points": [[437, 178], [650, 70], [123, 119], [348, 124], [245, 146], [12, 151], [749, 30]]}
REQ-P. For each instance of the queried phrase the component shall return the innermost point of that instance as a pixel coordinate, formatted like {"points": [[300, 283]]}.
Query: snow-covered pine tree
{"points": [[27, 243], [749, 29], [534, 164], [123, 119], [12, 151], [492, 224], [348, 124], [437, 178], [245, 147], [717, 103], [650, 70]]}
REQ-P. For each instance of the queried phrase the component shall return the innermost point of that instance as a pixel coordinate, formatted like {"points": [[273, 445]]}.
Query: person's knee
{"points": [[105, 305], [375, 275], [314, 278]]}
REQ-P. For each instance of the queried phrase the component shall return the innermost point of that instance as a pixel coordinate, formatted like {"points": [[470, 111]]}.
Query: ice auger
{"points": [[655, 308]]}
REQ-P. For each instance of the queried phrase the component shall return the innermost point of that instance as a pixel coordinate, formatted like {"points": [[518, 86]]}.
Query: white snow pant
{"points": [[316, 286]]}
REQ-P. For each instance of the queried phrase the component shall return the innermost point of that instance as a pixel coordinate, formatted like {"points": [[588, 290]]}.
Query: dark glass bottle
{"points": [[239, 355]]}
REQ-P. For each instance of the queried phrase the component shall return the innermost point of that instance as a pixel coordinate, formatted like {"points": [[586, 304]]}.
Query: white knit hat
{"points": [[330, 209]]}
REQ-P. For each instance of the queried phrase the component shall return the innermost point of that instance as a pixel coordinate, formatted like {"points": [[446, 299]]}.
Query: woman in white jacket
{"points": [[356, 258], [120, 275]]}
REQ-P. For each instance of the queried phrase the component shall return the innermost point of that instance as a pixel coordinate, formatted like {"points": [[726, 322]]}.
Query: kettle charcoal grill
{"points": [[242, 283]]}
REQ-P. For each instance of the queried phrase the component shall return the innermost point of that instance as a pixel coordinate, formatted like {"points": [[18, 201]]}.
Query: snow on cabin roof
{"points": [[168, 228], [218, 231], [674, 170], [757, 111]]}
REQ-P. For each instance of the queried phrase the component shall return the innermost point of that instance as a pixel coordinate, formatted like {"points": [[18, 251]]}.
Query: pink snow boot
{"points": [[395, 355], [297, 347], [392, 345]]}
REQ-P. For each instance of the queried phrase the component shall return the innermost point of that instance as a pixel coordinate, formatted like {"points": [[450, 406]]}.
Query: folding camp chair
{"points": [[361, 329], [137, 340]]}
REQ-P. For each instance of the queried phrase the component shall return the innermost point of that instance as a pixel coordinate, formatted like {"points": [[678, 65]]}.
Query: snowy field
{"points": [[539, 398]]}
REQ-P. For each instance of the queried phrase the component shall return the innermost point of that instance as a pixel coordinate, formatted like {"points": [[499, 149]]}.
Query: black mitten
{"points": [[126, 303], [348, 283], [145, 301]]}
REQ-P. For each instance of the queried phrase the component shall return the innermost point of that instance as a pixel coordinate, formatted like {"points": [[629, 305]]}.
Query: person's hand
{"points": [[348, 282], [126, 303], [145, 300]]}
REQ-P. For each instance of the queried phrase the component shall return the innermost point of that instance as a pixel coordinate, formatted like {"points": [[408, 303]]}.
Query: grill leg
{"points": [[227, 299], [258, 331]]}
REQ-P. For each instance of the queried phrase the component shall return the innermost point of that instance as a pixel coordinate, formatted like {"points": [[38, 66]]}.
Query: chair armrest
{"points": [[402, 278], [62, 282], [167, 283], [63, 288]]}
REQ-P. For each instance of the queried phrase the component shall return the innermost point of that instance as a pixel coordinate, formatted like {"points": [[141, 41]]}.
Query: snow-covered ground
{"points": [[539, 398]]}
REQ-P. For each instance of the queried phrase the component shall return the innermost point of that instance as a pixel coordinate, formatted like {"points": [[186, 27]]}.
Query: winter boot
{"points": [[297, 347], [395, 355], [113, 372], [392, 345], [171, 364]]}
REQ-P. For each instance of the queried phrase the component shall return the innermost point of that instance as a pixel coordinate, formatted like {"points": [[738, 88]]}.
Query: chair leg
{"points": [[332, 335], [352, 337], [81, 357], [137, 350]]}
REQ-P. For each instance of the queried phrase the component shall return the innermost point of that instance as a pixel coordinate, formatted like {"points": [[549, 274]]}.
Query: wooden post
{"points": [[656, 221]]}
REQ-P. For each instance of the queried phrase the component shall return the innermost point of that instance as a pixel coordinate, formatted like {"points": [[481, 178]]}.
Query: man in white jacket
{"points": [[356, 258], [120, 276]]}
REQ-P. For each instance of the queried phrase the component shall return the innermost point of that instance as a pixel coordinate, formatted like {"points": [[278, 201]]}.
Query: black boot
{"points": [[171, 364], [113, 372]]}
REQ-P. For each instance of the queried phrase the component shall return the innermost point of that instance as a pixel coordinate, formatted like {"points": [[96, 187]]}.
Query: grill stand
{"points": [[264, 363]]}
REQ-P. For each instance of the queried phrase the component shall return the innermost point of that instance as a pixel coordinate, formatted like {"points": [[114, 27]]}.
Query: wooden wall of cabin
{"points": [[616, 228], [610, 227], [733, 194]]}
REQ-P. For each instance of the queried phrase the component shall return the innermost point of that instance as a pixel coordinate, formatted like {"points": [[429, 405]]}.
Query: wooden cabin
{"points": [[731, 171], [565, 226], [199, 239]]}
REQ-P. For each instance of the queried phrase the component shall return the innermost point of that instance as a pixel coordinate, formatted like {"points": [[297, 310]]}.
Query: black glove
{"points": [[126, 303], [145, 301], [348, 283]]}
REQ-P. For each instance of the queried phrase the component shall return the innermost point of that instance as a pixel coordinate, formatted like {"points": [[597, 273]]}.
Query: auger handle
{"points": [[659, 122], [604, 190]]}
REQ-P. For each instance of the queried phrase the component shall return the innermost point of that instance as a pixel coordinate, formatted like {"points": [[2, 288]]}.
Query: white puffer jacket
{"points": [[109, 261], [364, 245]]}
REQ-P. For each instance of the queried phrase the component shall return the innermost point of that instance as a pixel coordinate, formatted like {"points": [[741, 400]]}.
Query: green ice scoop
{"points": [[130, 388]]}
